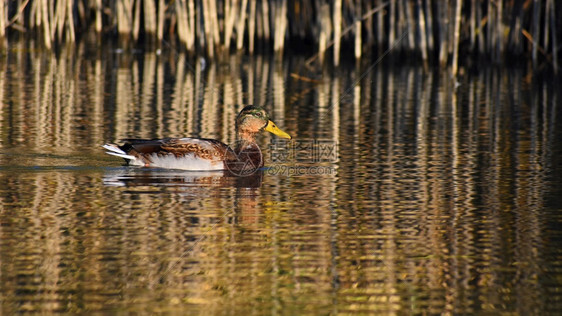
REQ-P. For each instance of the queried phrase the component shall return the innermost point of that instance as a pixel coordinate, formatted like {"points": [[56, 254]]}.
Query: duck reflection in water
{"points": [[142, 177]]}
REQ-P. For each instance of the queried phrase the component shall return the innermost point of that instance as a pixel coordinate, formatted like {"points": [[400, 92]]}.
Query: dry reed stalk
{"points": [[265, 16], [457, 26], [514, 41], [499, 32], [280, 29], [400, 25], [259, 25], [124, 18], [450, 39], [472, 24], [422, 32], [230, 15], [480, 31], [358, 31], [409, 26], [489, 28], [161, 21], [325, 31], [241, 25], [15, 21], [208, 27], [298, 19], [136, 20], [46, 23], [191, 20], [34, 15], [3, 18], [214, 23], [181, 21], [252, 27], [81, 10], [150, 19], [391, 23], [99, 21], [550, 5], [70, 23], [535, 31], [51, 15], [183, 24], [337, 18], [443, 31], [58, 20], [184, 12], [200, 30], [429, 24]]}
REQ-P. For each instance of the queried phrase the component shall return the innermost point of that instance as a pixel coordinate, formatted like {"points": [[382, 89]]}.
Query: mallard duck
{"points": [[203, 153]]}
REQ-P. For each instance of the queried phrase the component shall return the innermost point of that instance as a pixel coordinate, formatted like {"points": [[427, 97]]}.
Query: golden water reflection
{"points": [[443, 197]]}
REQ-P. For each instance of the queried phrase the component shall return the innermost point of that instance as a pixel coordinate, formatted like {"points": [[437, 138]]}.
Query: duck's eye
{"points": [[258, 114]]}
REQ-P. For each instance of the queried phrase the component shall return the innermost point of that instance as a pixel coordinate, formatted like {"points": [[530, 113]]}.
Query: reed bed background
{"points": [[434, 31]]}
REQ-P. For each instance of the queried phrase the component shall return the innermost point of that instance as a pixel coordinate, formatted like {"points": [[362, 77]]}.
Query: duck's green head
{"points": [[253, 119]]}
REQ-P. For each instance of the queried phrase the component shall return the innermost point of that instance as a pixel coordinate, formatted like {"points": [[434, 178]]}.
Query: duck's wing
{"points": [[174, 153]]}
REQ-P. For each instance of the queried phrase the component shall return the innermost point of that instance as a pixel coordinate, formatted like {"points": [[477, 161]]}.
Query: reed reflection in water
{"points": [[444, 199]]}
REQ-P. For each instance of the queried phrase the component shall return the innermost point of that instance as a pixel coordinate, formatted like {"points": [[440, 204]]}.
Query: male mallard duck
{"points": [[202, 153]]}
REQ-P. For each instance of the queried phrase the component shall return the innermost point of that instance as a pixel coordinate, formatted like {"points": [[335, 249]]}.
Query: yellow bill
{"points": [[273, 129]]}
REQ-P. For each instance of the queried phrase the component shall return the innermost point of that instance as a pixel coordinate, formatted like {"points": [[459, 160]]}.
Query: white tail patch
{"points": [[116, 151]]}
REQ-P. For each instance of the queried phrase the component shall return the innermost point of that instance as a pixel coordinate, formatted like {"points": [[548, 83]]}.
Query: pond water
{"points": [[403, 191]]}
